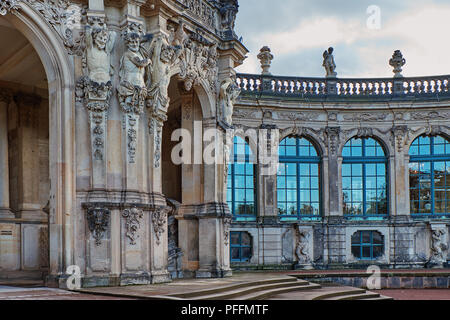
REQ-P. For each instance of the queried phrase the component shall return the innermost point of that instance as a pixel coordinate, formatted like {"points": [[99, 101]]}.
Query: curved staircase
{"points": [[276, 289]]}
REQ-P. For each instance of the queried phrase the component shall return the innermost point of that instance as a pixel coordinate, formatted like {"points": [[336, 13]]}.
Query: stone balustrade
{"points": [[433, 87]]}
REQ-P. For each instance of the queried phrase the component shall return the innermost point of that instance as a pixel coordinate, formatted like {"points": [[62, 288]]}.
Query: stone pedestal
{"points": [[213, 228]]}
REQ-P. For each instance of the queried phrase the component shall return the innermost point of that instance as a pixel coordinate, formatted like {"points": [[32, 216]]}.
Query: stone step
{"points": [[263, 295], [254, 291], [381, 298], [358, 296], [335, 293], [238, 286]]}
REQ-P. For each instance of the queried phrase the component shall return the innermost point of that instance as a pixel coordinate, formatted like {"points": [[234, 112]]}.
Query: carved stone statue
{"points": [[229, 92], [438, 246], [99, 45], [301, 250], [133, 65], [163, 58], [228, 12], [328, 63]]}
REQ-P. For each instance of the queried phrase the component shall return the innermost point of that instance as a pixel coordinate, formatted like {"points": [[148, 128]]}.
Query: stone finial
{"points": [[265, 57], [329, 64], [397, 62]]}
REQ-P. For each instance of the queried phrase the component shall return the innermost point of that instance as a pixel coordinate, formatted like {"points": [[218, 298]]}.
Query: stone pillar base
{"points": [[303, 266], [6, 214], [213, 273], [160, 277]]}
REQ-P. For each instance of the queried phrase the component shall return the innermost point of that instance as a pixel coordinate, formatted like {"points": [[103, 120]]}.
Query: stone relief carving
{"points": [[159, 219], [95, 88], [133, 218], [329, 64], [439, 246], [43, 247], [366, 117], [98, 222], [226, 229], [228, 10], [431, 115], [65, 18], [229, 92], [132, 91], [331, 139], [8, 5], [163, 57], [197, 58], [243, 113], [399, 137], [204, 11], [302, 246], [299, 116]]}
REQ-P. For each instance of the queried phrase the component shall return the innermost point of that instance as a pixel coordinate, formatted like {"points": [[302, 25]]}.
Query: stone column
{"points": [[214, 219], [267, 173], [28, 205], [335, 231], [4, 162], [334, 190]]}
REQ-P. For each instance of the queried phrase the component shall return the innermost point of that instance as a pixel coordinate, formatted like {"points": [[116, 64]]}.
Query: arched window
{"points": [[298, 180], [241, 191], [429, 176], [364, 179]]}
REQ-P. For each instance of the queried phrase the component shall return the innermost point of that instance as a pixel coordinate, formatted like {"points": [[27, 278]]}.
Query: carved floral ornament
{"points": [[8, 5], [133, 219], [62, 15], [98, 221]]}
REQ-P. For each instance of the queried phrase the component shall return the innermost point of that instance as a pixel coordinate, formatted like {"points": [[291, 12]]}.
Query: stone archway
{"points": [[55, 60]]}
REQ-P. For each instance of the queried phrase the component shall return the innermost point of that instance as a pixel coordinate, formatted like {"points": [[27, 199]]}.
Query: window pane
{"points": [[234, 238], [246, 239], [377, 251], [356, 251], [235, 254], [366, 252]]}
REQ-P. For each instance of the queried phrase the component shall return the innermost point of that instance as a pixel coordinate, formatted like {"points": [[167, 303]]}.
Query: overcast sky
{"points": [[299, 31]]}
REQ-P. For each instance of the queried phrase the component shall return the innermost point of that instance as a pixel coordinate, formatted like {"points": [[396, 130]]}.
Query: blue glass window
{"points": [[429, 177], [367, 245], [240, 247], [241, 191], [364, 178], [298, 179]]}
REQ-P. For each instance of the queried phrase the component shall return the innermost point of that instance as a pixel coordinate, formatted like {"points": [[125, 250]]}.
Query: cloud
{"points": [[418, 31]]}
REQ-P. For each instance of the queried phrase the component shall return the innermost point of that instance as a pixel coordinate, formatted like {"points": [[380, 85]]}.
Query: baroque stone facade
{"points": [[89, 133], [93, 187]]}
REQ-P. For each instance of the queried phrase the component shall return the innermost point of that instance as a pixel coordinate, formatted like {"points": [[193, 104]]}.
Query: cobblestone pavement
{"points": [[42, 293]]}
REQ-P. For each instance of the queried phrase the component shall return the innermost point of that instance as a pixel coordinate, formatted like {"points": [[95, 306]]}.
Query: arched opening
{"points": [[24, 158], [182, 182], [299, 179], [429, 177], [365, 179]]}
